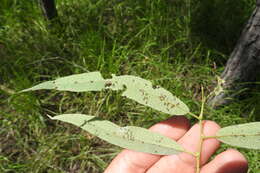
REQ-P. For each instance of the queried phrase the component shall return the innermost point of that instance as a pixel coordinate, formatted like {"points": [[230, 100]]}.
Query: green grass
{"points": [[173, 43]]}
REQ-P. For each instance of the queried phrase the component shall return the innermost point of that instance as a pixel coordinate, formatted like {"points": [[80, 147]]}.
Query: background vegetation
{"points": [[178, 44]]}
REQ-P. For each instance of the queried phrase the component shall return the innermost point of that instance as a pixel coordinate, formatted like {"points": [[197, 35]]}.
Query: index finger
{"points": [[129, 161]]}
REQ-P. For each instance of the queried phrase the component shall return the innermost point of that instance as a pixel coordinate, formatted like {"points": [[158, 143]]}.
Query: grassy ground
{"points": [[178, 44]]}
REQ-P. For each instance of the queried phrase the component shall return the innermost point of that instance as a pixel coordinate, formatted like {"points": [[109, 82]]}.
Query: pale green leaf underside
{"points": [[130, 137], [135, 88], [92, 81], [242, 135], [143, 92]]}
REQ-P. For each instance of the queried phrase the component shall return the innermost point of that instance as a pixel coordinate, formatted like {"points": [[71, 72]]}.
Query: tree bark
{"points": [[243, 64], [49, 9]]}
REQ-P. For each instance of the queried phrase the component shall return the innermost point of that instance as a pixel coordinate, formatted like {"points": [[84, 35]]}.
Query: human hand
{"points": [[178, 129]]}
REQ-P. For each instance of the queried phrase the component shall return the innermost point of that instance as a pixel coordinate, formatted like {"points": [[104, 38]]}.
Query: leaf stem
{"points": [[202, 103], [208, 137], [198, 157], [193, 115], [191, 153]]}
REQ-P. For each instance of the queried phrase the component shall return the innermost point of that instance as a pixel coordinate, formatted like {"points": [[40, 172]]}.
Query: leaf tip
{"points": [[53, 118], [24, 90]]}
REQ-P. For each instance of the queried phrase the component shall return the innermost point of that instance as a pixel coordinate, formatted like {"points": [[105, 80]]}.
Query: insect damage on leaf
{"points": [[130, 137], [135, 88], [145, 93]]}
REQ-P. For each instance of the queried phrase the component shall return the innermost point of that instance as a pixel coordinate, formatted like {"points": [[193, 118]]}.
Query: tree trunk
{"points": [[49, 9], [243, 64]]}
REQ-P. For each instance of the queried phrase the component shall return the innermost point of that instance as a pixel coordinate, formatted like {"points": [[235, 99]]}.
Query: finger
{"points": [[190, 141], [129, 161], [230, 161]]}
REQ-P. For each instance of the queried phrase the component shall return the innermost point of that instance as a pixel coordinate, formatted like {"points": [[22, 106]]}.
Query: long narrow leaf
{"points": [[143, 92], [135, 88], [130, 137], [92, 81], [242, 135]]}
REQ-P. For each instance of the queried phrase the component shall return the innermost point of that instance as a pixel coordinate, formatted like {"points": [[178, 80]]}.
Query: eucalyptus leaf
{"points": [[92, 81], [242, 135], [135, 88], [130, 137], [143, 92]]}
